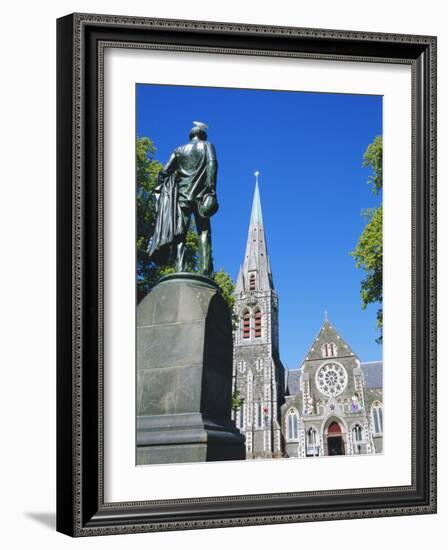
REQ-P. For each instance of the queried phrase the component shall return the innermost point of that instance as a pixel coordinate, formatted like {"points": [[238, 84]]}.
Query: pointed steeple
{"points": [[255, 274], [258, 372]]}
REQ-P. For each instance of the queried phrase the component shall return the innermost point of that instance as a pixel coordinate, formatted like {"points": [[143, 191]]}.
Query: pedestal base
{"points": [[184, 374], [187, 438]]}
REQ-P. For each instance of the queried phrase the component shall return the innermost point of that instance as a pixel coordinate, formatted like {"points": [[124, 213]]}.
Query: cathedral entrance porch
{"points": [[335, 440], [335, 445]]}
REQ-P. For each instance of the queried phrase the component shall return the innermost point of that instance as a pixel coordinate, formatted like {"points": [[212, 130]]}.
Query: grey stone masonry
{"points": [[184, 374], [258, 374], [332, 411]]}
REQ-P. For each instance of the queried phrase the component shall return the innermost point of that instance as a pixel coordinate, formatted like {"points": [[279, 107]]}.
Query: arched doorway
{"points": [[335, 441]]}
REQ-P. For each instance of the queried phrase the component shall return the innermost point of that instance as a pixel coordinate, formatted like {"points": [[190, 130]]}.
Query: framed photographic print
{"points": [[246, 274]]}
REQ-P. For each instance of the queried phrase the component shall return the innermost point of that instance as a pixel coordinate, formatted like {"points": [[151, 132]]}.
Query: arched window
{"points": [[377, 417], [329, 350], [357, 433], [292, 424], [252, 281], [312, 442], [259, 415], [257, 324], [240, 416], [249, 386], [246, 323]]}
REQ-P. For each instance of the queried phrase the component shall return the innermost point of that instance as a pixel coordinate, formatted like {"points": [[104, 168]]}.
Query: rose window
{"points": [[331, 379]]}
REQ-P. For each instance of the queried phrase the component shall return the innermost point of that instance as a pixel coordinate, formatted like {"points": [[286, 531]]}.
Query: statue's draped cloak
{"points": [[169, 220]]}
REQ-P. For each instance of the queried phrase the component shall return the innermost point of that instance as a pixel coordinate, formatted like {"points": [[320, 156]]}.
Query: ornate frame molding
{"points": [[81, 42]]}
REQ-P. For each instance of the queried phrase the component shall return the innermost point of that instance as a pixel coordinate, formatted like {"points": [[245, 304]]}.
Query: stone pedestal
{"points": [[184, 374]]}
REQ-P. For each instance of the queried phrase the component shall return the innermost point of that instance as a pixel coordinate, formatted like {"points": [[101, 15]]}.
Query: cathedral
{"points": [[331, 405]]}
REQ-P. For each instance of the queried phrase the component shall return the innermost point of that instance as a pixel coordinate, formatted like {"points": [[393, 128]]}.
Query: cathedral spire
{"points": [[258, 372], [256, 216], [255, 273]]}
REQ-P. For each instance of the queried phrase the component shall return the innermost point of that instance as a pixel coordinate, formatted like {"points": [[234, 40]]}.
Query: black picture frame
{"points": [[81, 510]]}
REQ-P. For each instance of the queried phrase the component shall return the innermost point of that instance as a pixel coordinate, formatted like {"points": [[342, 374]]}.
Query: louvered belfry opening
{"points": [[252, 281], [246, 324], [257, 324]]}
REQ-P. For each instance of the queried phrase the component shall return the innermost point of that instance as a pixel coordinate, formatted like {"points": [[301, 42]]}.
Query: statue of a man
{"points": [[187, 186]]}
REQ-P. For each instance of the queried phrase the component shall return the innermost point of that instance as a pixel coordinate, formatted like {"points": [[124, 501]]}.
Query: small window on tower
{"points": [[252, 281], [246, 324], [257, 324]]}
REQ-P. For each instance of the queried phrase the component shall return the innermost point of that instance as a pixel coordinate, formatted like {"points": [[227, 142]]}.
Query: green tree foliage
{"points": [[368, 253], [373, 158], [148, 273], [147, 169], [237, 401], [225, 283]]}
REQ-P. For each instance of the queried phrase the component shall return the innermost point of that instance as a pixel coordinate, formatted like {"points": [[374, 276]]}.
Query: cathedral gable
{"points": [[328, 344]]}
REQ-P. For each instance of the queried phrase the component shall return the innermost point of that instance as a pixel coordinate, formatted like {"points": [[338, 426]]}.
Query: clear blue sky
{"points": [[309, 148]]}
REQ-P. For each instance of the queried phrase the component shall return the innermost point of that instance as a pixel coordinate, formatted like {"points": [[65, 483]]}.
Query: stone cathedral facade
{"points": [[331, 405]]}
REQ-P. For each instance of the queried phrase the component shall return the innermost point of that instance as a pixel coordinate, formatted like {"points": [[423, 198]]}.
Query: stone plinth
{"points": [[184, 374]]}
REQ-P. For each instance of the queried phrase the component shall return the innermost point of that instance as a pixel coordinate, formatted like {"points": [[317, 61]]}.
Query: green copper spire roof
{"points": [[256, 217]]}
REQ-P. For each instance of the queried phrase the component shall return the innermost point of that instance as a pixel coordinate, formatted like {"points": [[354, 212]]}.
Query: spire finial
{"points": [[326, 315], [256, 174]]}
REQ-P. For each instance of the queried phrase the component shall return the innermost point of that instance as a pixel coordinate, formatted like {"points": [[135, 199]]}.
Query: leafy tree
{"points": [[373, 158], [368, 253], [225, 283], [237, 401], [148, 273], [147, 169]]}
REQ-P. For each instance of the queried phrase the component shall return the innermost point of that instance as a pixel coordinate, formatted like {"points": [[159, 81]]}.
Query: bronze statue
{"points": [[186, 187]]}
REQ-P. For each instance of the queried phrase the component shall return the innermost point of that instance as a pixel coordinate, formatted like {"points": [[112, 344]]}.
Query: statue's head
{"points": [[198, 131]]}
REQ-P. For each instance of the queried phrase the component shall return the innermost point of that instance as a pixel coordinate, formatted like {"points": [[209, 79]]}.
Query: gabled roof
{"points": [[373, 374], [293, 382], [328, 334]]}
